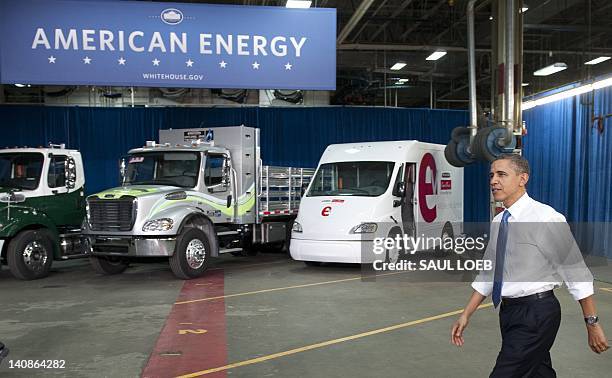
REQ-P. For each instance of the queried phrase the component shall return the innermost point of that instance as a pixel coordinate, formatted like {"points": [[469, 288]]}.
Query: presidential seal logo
{"points": [[172, 16]]}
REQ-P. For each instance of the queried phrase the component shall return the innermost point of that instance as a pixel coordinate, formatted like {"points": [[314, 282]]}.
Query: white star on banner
{"points": [[288, 66], [52, 59], [255, 66], [222, 64], [121, 61], [189, 63], [155, 62], [87, 60]]}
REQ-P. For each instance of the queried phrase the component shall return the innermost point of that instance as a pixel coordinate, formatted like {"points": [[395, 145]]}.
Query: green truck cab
{"points": [[42, 207]]}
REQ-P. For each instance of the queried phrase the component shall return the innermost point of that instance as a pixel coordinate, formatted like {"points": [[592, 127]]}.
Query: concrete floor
{"points": [[109, 326]]}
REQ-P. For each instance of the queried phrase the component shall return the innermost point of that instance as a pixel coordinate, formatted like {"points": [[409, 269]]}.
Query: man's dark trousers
{"points": [[528, 332]]}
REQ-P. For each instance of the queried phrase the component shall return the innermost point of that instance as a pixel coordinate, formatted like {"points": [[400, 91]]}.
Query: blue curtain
{"points": [[571, 161], [289, 136]]}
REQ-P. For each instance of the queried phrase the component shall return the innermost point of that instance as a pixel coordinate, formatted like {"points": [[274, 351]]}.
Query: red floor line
{"points": [[193, 337]]}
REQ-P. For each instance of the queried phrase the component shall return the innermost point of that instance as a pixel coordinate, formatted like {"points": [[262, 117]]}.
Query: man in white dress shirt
{"points": [[533, 252]]}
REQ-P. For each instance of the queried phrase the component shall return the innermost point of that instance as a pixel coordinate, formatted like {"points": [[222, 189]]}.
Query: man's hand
{"points": [[597, 338], [457, 330]]}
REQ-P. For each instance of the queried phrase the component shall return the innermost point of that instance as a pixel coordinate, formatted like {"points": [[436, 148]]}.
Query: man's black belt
{"points": [[528, 298]]}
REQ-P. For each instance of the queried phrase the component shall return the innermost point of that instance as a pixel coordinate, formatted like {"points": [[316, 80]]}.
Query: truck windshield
{"points": [[163, 168], [20, 170], [355, 178]]}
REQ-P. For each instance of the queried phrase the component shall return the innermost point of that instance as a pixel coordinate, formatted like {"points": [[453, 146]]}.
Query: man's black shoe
{"points": [[4, 351]]}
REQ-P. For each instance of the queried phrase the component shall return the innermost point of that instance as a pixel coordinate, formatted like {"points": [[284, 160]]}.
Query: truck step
{"points": [[230, 250], [73, 257], [225, 233]]}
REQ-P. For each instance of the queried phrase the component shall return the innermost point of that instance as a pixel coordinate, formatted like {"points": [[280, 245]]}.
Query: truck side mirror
{"points": [[400, 189], [70, 173], [303, 189], [229, 201], [12, 198], [122, 170], [227, 171]]}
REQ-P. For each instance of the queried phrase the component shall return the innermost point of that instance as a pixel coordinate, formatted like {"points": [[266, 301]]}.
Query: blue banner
{"points": [[154, 44]]}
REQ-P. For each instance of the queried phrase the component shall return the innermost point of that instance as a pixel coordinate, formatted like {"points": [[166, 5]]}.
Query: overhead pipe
{"points": [[472, 71], [508, 112], [354, 20]]}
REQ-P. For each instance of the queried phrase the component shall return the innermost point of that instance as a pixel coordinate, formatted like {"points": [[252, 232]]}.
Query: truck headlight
{"points": [[163, 224], [297, 227], [364, 228]]}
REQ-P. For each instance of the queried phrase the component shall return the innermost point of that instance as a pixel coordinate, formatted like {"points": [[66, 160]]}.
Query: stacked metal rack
{"points": [[282, 189]]}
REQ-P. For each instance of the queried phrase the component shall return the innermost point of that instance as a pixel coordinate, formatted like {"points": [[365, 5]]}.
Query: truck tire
{"points": [[192, 254], [108, 265], [30, 254]]}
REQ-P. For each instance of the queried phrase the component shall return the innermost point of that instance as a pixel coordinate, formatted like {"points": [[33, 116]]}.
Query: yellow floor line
{"points": [[282, 288], [326, 343], [606, 289]]}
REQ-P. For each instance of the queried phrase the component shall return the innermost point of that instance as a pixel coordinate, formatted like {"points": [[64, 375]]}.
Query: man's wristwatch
{"points": [[591, 320]]}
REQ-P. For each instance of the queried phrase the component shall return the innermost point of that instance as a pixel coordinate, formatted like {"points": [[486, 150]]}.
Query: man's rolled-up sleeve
{"points": [[563, 251]]}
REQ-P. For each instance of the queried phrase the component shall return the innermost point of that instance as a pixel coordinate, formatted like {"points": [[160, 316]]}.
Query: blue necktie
{"points": [[500, 256]]}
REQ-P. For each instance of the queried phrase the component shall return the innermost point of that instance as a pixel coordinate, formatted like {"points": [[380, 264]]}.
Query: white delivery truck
{"points": [[364, 191], [197, 194]]}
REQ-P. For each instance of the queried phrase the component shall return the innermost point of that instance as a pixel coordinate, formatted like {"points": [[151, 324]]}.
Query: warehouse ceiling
{"points": [[374, 34]]}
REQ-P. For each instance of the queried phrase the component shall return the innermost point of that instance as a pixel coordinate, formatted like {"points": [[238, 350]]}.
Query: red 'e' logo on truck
{"points": [[326, 210], [427, 188]]}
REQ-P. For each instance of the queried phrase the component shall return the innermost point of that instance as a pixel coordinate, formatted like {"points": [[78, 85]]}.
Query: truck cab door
{"points": [[65, 206], [408, 203], [219, 183]]}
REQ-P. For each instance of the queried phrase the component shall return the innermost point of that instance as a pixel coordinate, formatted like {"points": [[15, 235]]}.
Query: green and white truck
{"points": [[42, 207], [197, 194]]}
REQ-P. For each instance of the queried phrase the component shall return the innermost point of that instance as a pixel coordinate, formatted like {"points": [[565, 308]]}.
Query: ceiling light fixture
{"points": [[298, 4], [398, 66], [597, 60], [549, 70], [436, 55], [524, 84], [567, 94], [525, 8]]}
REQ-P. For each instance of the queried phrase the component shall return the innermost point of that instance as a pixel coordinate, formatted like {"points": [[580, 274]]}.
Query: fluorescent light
{"points": [[298, 4], [403, 80], [436, 55], [567, 94], [525, 8], [563, 95], [398, 66], [20, 85], [597, 60], [602, 83], [524, 84], [549, 70], [490, 17], [528, 105]]}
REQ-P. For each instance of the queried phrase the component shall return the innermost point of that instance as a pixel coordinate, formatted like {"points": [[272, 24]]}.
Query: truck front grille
{"points": [[111, 214]]}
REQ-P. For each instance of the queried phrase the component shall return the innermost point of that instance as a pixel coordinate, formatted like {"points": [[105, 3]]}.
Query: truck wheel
{"points": [[30, 254], [108, 265], [192, 253]]}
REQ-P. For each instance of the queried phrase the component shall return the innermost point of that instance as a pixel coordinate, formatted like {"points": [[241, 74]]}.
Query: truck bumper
{"points": [[131, 247], [353, 252]]}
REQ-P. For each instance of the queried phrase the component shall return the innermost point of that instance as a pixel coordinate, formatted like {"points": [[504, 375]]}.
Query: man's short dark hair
{"points": [[520, 164]]}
